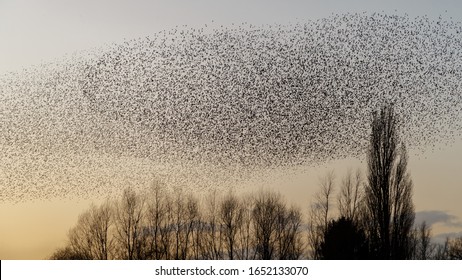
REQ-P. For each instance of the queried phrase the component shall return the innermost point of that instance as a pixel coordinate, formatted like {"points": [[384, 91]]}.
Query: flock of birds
{"points": [[201, 107]]}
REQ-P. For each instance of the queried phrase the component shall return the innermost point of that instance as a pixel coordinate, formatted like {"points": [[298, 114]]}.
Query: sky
{"points": [[36, 31], [33, 32]]}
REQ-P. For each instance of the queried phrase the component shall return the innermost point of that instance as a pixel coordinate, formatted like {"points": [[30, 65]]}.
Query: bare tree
{"points": [[190, 225], [67, 253], [167, 229], [246, 238], [198, 238], [288, 233], [103, 218], [320, 214], [231, 214], [351, 195], [130, 231], [423, 246], [403, 214], [388, 189], [442, 250], [90, 237], [455, 248], [168, 225], [81, 240], [267, 207], [179, 212], [157, 221], [213, 247]]}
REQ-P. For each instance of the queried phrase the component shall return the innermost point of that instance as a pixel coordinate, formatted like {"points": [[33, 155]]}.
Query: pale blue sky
{"points": [[40, 30]]}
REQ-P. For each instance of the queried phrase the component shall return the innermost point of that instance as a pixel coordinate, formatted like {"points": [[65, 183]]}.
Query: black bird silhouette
{"points": [[198, 107]]}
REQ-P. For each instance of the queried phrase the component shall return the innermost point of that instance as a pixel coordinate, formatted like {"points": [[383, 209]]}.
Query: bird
{"points": [[227, 101]]}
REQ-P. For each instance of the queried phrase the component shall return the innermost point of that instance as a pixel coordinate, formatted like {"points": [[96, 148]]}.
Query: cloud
{"points": [[437, 217], [441, 238]]}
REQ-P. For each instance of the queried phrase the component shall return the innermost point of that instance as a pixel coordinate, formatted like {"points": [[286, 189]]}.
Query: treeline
{"points": [[167, 224], [340, 227], [177, 225], [373, 218]]}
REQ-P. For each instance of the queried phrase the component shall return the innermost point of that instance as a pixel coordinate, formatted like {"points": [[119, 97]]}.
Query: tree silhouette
{"points": [[388, 189], [455, 248], [424, 249], [289, 244], [231, 214], [158, 212], [67, 253], [320, 214], [351, 195], [213, 233], [344, 240], [89, 239], [442, 250], [245, 234], [130, 212], [276, 228], [265, 213]]}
